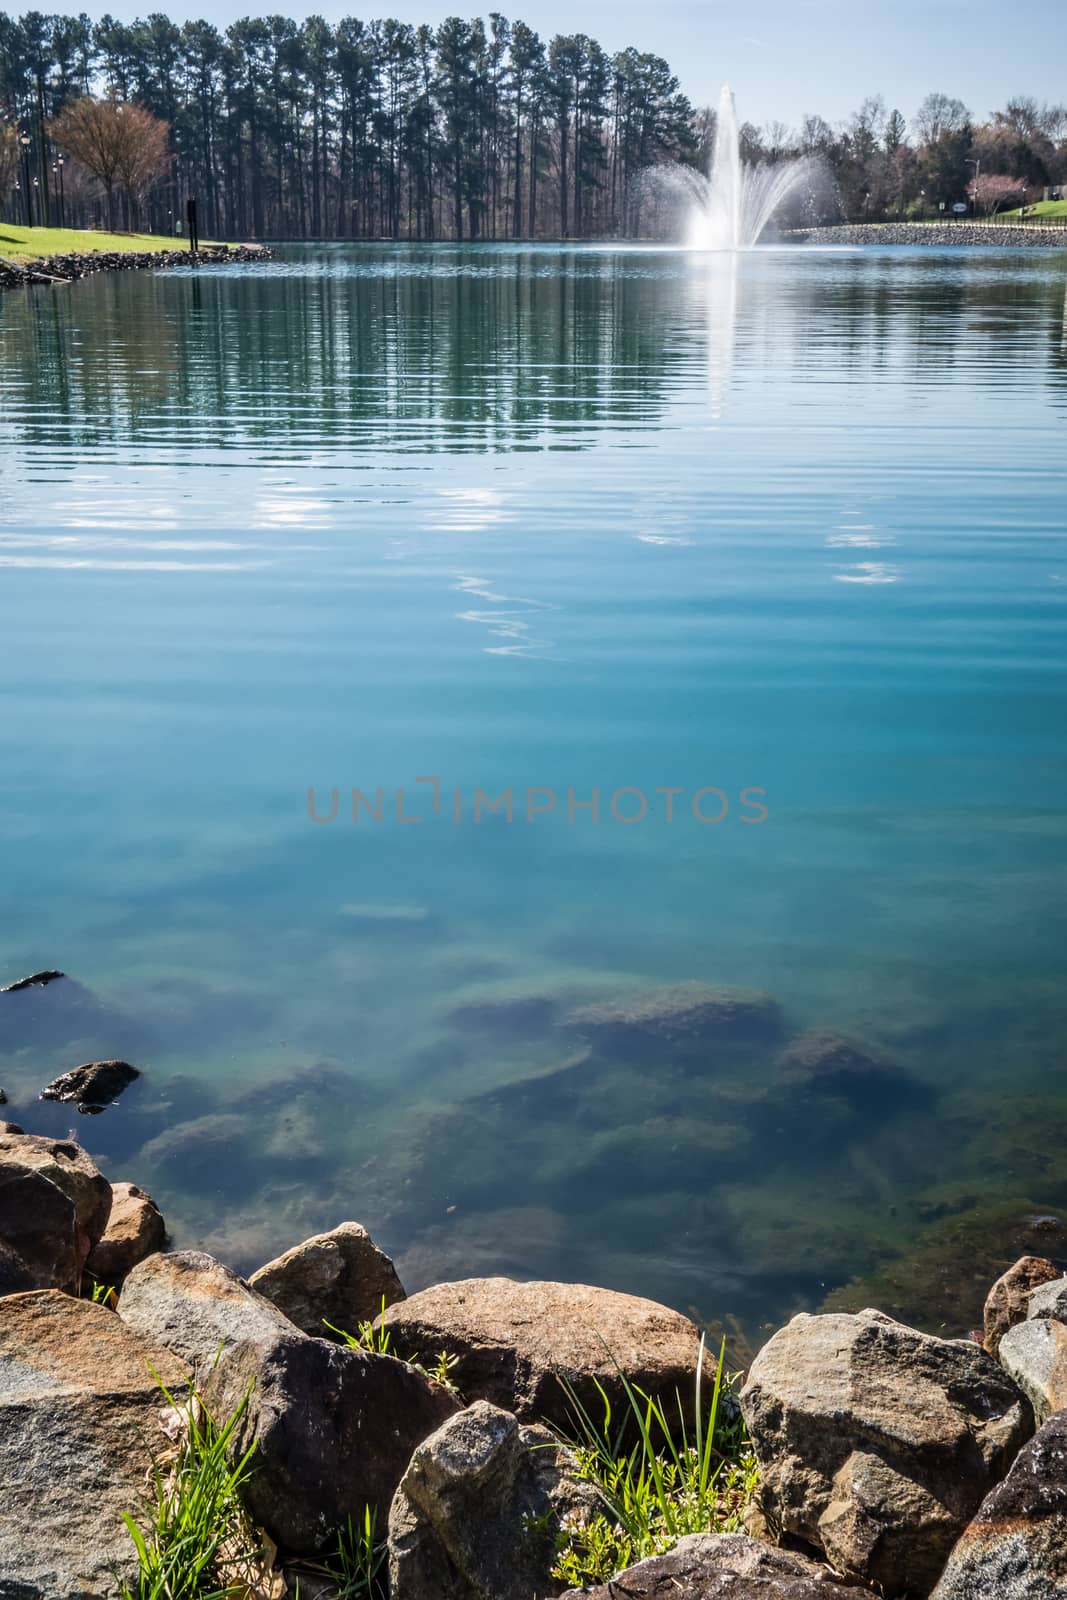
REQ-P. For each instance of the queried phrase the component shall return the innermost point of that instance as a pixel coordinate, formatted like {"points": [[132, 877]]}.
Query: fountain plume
{"points": [[729, 208]]}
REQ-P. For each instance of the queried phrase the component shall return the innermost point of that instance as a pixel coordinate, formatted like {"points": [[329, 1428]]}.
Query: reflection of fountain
{"points": [[730, 207]]}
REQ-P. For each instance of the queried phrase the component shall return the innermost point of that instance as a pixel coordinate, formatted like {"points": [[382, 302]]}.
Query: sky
{"points": [[783, 57]]}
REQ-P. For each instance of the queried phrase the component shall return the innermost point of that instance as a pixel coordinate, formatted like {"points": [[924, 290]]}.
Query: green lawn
{"points": [[1043, 208], [34, 244]]}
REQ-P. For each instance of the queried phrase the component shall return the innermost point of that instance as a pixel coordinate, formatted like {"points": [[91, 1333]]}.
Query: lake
{"points": [[768, 551]]}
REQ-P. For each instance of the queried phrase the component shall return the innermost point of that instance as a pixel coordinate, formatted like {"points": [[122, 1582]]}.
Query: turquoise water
{"points": [[544, 519]]}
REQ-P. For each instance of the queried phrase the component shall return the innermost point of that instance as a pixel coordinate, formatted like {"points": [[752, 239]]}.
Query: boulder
{"points": [[478, 1510], [79, 1424], [1016, 1547], [819, 1063], [513, 1342], [339, 1277], [1034, 1353], [39, 1244], [64, 1164], [1007, 1301], [1049, 1300], [724, 1566], [333, 1430], [135, 1229], [195, 1306], [877, 1443], [16, 1274], [92, 1086], [685, 1015]]}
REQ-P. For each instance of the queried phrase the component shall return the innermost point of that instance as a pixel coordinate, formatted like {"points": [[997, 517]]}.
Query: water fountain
{"points": [[730, 206]]}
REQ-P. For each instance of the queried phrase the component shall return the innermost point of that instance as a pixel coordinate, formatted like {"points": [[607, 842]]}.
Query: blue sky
{"points": [[783, 57]]}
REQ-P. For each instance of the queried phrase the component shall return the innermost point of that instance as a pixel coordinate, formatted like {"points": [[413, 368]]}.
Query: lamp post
{"points": [[57, 169], [976, 163], [24, 141]]}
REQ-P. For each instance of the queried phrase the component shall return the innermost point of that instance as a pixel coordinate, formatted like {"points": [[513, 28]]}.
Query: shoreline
{"points": [[970, 234], [860, 1455], [70, 267]]}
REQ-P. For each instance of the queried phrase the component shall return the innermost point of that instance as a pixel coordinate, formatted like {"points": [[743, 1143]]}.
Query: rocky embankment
{"points": [[66, 268], [936, 233], [890, 1462]]}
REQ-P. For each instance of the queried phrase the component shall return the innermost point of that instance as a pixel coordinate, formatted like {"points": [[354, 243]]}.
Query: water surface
{"points": [[549, 519]]}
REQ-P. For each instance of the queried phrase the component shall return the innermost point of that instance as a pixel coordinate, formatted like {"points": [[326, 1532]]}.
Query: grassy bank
{"points": [[23, 245]]}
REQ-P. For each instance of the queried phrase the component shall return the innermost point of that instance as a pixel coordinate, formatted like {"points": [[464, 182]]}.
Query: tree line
{"points": [[471, 130]]}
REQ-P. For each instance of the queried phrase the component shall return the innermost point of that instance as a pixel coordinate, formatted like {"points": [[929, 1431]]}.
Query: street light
{"points": [[57, 168], [24, 141]]}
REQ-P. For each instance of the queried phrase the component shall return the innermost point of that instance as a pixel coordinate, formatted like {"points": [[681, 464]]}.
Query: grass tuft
{"points": [[693, 1476], [199, 1544]]}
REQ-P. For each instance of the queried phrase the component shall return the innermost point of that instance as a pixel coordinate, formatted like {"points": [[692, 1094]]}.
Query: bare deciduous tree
{"points": [[940, 114], [118, 143]]}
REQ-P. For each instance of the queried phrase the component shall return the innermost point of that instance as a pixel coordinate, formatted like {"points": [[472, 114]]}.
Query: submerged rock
{"points": [[135, 1230], [1007, 1301], [1034, 1353], [42, 1012], [512, 1340], [686, 1014], [36, 980], [942, 1282], [193, 1305], [79, 1423], [203, 1145], [521, 1014], [724, 1566], [831, 1064], [333, 1431], [877, 1443], [1016, 1547], [341, 1278], [54, 1239], [92, 1086], [478, 1510]]}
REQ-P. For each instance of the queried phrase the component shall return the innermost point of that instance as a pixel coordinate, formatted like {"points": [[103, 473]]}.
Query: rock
{"points": [[1049, 1300], [513, 1339], [1007, 1301], [478, 1509], [1016, 1547], [65, 1165], [38, 1233], [687, 1014], [79, 1421], [192, 1304], [519, 1014], [1034, 1354], [199, 1147], [339, 1277], [135, 1229], [877, 1443], [36, 980], [831, 1064], [942, 1282], [724, 1566], [11, 1127], [92, 1086], [333, 1429], [16, 1275], [49, 1016]]}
